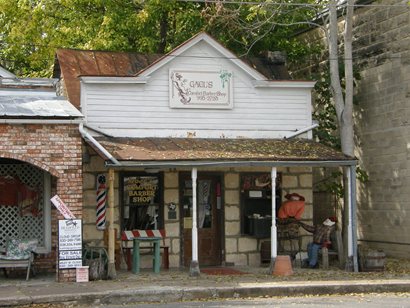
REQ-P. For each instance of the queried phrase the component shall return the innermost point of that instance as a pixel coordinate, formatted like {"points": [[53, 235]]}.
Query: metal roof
{"points": [[71, 64], [37, 106], [74, 63]]}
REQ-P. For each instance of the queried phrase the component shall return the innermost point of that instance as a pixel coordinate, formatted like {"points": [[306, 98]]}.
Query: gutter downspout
{"points": [[112, 274], [301, 131], [98, 145]]}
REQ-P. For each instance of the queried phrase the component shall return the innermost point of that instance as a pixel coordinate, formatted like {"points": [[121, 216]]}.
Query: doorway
{"points": [[209, 218]]}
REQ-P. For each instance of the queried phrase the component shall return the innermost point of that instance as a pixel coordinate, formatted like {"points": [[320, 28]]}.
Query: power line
{"points": [[241, 58], [241, 2]]}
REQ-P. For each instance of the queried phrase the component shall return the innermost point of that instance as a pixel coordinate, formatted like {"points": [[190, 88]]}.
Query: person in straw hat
{"points": [[321, 237]]}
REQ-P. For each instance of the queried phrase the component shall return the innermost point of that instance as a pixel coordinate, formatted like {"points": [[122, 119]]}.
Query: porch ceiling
{"points": [[179, 151]]}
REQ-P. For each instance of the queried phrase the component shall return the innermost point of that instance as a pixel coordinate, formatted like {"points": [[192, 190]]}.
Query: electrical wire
{"points": [[269, 3]]}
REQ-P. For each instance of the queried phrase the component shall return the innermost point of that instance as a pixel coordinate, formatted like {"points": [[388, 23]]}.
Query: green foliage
{"points": [[33, 29], [324, 111]]}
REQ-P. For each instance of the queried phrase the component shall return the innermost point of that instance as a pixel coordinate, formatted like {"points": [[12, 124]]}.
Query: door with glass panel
{"points": [[209, 218]]}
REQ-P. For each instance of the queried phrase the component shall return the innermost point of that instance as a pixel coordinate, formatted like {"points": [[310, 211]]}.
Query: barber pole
{"points": [[101, 201]]}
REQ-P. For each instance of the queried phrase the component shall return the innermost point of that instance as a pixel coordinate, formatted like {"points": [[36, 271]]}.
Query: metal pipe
{"points": [[301, 131], [295, 163], [86, 135], [383, 242]]}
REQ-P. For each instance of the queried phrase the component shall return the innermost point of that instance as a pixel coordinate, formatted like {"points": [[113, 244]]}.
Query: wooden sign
{"points": [[201, 89]]}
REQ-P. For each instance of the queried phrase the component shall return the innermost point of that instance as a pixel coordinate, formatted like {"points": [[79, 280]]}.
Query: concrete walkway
{"points": [[176, 285]]}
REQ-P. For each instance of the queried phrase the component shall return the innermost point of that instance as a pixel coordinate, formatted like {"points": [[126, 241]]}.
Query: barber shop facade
{"points": [[196, 143]]}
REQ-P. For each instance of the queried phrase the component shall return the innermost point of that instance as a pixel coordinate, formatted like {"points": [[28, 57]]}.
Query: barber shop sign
{"points": [[201, 89]]}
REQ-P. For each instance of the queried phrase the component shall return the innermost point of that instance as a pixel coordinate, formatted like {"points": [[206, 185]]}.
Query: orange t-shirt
{"points": [[291, 208]]}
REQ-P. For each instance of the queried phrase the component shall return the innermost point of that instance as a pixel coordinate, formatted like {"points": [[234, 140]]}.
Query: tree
{"points": [[33, 29], [253, 23]]}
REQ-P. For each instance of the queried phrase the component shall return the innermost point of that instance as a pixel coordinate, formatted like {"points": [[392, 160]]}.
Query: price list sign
{"points": [[70, 243]]}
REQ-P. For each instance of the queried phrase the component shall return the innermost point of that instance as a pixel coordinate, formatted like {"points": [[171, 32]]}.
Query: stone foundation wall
{"points": [[243, 249]]}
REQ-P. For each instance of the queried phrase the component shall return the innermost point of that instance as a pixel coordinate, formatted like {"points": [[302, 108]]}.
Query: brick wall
{"points": [[56, 149]]}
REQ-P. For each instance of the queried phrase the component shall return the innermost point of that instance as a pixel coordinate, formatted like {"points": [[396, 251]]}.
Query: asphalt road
{"points": [[352, 301], [371, 300]]}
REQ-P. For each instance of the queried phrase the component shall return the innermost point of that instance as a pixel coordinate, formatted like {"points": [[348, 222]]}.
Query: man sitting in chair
{"points": [[321, 238]]}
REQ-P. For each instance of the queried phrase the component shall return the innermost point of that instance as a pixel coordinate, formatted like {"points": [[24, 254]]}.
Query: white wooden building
{"points": [[195, 125]]}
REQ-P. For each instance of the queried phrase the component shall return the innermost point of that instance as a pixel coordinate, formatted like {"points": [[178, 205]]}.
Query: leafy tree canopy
{"points": [[33, 29]]}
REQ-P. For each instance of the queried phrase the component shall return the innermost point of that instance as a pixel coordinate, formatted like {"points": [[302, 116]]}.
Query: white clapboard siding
{"points": [[143, 110]]}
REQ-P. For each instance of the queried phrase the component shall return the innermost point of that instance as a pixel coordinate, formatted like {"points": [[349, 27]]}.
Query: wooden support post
{"points": [[112, 274]]}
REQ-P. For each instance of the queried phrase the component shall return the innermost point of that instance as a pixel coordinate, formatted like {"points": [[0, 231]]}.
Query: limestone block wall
{"points": [[237, 248], [382, 125], [381, 53], [243, 249]]}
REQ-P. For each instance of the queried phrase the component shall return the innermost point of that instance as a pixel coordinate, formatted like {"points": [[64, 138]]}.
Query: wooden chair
{"points": [[19, 253], [335, 250]]}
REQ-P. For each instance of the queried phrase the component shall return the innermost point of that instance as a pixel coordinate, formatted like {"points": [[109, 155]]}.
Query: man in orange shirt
{"points": [[293, 207]]}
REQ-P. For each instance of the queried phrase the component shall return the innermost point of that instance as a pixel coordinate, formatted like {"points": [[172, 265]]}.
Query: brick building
{"points": [[40, 156]]}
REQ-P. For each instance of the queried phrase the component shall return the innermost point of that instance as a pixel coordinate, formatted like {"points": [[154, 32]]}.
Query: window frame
{"points": [[127, 174]]}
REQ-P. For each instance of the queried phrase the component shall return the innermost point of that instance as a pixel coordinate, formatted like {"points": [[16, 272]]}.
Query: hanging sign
{"points": [[62, 207], [70, 243], [201, 89]]}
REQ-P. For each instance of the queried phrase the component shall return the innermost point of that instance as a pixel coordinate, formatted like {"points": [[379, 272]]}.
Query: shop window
{"points": [[24, 192], [142, 205], [256, 203]]}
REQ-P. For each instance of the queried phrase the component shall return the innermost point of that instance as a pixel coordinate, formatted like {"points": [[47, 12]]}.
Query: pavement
{"points": [[176, 285]]}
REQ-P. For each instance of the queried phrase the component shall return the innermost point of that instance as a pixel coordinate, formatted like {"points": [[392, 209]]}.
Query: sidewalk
{"points": [[176, 285]]}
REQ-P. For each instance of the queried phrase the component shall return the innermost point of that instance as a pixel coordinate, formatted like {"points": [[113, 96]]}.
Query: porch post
{"points": [[194, 268], [353, 216], [111, 232], [351, 263], [274, 250]]}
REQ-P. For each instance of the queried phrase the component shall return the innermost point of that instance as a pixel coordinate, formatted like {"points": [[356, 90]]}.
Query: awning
{"points": [[196, 152], [37, 106]]}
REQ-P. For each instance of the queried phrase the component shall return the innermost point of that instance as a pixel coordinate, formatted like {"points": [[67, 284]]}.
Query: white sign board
{"points": [[62, 208], [70, 243], [70, 263], [201, 89]]}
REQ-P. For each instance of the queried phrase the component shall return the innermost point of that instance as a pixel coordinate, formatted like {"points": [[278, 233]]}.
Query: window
{"points": [[24, 192], [142, 205], [256, 203]]}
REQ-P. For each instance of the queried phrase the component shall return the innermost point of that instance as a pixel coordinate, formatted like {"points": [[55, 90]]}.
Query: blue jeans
{"points": [[313, 250]]}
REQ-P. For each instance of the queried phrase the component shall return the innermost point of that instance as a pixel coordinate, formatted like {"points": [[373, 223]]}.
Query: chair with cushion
{"points": [[19, 253]]}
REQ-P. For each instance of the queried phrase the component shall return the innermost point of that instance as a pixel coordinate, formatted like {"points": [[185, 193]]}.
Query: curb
{"points": [[175, 294]]}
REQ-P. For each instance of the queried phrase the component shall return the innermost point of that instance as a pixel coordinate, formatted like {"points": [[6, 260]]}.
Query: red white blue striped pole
{"points": [[101, 201]]}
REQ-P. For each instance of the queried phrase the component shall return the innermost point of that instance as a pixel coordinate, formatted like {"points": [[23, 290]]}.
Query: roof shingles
{"points": [[166, 149]]}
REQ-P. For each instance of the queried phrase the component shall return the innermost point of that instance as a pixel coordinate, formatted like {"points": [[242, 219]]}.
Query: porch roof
{"points": [[174, 152]]}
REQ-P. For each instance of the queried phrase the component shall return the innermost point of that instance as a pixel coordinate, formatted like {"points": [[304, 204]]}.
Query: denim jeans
{"points": [[313, 250]]}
